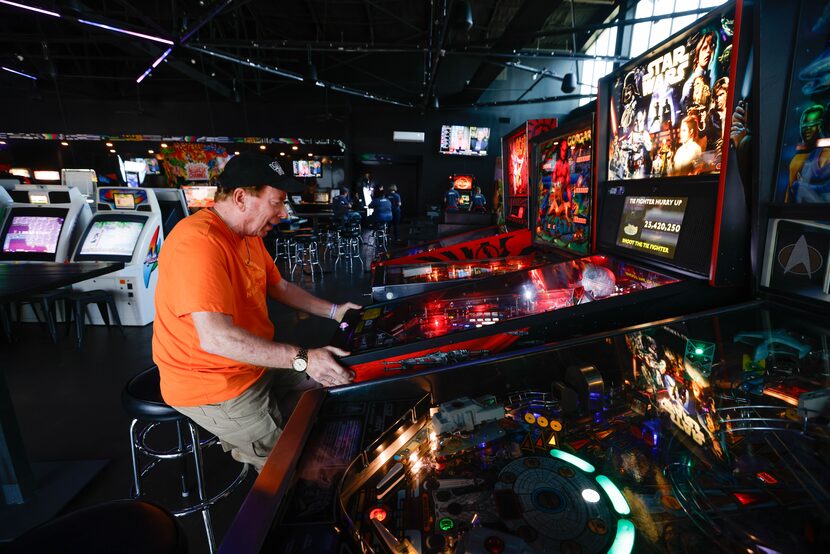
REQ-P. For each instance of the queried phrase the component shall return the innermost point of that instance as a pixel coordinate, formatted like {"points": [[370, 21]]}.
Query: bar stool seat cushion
{"points": [[123, 526], [142, 398]]}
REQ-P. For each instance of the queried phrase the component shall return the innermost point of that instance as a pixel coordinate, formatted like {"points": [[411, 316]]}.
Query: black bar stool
{"points": [[143, 403], [104, 299], [47, 302], [123, 526], [305, 254], [348, 247]]}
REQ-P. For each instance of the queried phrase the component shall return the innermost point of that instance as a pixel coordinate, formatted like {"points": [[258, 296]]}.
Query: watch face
{"points": [[300, 364]]}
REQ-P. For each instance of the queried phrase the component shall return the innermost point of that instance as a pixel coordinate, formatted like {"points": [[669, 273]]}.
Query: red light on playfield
{"points": [[767, 478], [378, 514]]}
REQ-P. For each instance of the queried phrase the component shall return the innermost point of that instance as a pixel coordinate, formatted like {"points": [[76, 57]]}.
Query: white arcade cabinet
{"points": [[126, 228], [173, 207], [43, 223]]}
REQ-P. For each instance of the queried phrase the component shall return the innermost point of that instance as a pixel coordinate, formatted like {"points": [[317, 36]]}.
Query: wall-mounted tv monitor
{"points": [[199, 196], [562, 182], [111, 237], [322, 196], [668, 108], [32, 233], [307, 168], [464, 141]]}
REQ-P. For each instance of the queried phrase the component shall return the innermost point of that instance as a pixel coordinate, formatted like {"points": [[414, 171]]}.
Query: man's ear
{"points": [[238, 197]]}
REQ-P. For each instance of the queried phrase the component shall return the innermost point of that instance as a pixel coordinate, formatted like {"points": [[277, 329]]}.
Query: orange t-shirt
{"points": [[206, 267]]}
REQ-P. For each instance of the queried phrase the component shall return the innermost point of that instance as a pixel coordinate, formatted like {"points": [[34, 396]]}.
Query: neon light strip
{"points": [[624, 541], [126, 32], [155, 64], [617, 499], [573, 460], [30, 8], [32, 77]]}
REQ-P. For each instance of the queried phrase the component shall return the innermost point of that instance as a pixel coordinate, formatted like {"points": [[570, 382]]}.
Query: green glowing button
{"points": [[617, 498], [573, 460], [698, 351], [446, 524], [624, 541]]}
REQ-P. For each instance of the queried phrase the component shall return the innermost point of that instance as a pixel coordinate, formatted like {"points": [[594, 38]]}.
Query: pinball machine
{"points": [[697, 432], [663, 244]]}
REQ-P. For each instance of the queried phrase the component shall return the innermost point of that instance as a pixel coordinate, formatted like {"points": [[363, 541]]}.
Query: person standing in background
{"points": [[451, 198], [395, 199], [478, 204]]}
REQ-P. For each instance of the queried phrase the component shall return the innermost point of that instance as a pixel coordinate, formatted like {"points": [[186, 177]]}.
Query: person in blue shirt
{"points": [[382, 208], [395, 199], [451, 198], [478, 204], [342, 207]]}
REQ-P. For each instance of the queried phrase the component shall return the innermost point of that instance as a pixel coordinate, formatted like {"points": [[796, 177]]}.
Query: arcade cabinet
{"points": [[199, 196], [44, 223], [127, 228], [173, 206], [463, 185], [5, 202], [85, 180]]}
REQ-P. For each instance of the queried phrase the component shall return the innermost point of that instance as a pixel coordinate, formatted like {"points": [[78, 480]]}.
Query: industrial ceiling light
{"points": [[568, 84], [30, 8], [462, 15], [32, 77]]}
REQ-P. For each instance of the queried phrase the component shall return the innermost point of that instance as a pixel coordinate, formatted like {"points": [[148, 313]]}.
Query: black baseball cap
{"points": [[250, 170]]}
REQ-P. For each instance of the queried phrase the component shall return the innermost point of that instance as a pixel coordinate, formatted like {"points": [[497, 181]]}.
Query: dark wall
{"points": [[365, 128]]}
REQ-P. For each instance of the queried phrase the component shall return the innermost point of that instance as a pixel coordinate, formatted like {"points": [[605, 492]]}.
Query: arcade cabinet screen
{"points": [[668, 111], [47, 175], [38, 198], [652, 225], [123, 201], [462, 182], [199, 196], [111, 238], [801, 178], [563, 209], [323, 197], [21, 172], [516, 176], [304, 168], [464, 141], [132, 178], [33, 234]]}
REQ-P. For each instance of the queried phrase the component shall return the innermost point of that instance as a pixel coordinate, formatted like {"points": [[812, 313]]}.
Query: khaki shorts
{"points": [[249, 425]]}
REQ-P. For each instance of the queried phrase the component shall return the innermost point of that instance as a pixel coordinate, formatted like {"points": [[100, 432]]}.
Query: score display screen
{"points": [[33, 234], [111, 238], [199, 196], [652, 225], [123, 201]]}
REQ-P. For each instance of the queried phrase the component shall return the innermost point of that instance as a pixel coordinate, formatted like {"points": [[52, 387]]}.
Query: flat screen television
{"points": [[562, 175], [322, 196], [464, 141], [110, 237], [199, 196], [668, 108], [307, 168], [32, 233]]}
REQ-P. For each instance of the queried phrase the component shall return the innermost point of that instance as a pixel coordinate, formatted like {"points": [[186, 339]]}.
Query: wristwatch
{"points": [[300, 362]]}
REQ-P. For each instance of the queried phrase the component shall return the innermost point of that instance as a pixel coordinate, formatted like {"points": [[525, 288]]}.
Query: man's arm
{"points": [[218, 335], [293, 296]]}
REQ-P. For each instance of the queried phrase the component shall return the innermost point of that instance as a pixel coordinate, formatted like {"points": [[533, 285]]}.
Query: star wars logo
{"points": [[579, 139], [669, 69], [682, 420]]}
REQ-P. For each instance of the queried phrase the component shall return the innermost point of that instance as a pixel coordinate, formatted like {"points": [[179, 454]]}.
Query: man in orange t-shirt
{"points": [[212, 338]]}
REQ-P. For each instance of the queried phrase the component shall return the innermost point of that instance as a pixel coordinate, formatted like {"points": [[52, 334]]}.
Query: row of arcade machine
{"points": [[54, 223], [702, 431]]}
